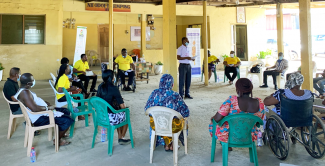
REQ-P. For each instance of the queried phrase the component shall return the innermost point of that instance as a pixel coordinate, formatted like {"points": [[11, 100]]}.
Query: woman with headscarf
{"points": [[112, 96], [166, 97], [243, 102], [292, 91]]}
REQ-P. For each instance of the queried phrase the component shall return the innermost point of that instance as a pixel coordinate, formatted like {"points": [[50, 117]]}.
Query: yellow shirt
{"points": [[62, 83], [231, 60], [124, 63], [212, 58], [81, 66]]}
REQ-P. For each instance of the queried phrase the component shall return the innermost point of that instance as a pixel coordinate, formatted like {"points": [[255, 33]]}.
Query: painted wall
{"points": [[40, 59]]}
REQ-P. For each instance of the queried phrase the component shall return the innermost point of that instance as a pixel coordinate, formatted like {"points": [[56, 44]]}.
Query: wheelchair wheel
{"points": [[277, 137], [314, 136]]}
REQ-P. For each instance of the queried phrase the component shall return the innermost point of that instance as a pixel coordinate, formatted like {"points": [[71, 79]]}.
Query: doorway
{"points": [[239, 41], [103, 42]]}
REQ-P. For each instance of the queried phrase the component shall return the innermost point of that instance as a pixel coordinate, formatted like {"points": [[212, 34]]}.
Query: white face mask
{"points": [[33, 84], [232, 55]]}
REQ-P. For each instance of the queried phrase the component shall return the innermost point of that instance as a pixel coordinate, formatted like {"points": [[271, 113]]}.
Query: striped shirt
{"points": [[281, 64]]}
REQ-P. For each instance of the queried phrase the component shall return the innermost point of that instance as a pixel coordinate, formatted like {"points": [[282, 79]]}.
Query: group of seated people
{"points": [[241, 102]]}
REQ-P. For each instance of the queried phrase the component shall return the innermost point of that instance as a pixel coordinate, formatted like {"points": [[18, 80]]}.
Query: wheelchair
{"points": [[118, 82], [296, 116]]}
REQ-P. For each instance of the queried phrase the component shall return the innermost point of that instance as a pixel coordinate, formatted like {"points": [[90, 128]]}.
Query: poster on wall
{"points": [[241, 17], [194, 38], [80, 43], [99, 6], [136, 33]]}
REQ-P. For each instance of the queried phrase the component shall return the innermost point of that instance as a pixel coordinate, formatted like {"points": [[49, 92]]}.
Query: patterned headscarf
{"points": [[294, 80], [166, 82]]}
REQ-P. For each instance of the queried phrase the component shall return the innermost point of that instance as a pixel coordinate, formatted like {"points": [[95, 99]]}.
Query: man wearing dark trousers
{"points": [[80, 67], [185, 70], [280, 66], [232, 64], [125, 62]]}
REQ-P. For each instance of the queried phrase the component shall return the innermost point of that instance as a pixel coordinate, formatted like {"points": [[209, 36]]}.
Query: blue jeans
{"points": [[319, 84]]}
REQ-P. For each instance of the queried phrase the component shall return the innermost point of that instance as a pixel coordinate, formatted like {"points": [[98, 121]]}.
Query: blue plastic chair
{"points": [[240, 129], [102, 119], [83, 109]]}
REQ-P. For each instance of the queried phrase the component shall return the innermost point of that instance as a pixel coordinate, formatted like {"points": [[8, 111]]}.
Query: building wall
{"points": [[39, 59]]}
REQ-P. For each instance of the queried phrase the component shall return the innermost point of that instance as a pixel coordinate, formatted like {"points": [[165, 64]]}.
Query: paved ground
{"points": [[205, 104]]}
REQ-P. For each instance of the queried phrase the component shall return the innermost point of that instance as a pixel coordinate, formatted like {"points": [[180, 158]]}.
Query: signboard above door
{"points": [[97, 6]]}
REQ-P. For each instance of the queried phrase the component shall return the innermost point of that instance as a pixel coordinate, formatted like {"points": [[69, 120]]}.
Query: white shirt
{"points": [[183, 52]]}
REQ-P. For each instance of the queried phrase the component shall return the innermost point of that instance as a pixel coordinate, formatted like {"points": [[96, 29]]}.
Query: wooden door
{"points": [[103, 42]]}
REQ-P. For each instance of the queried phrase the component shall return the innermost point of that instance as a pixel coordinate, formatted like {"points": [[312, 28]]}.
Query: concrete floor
{"points": [[205, 104]]}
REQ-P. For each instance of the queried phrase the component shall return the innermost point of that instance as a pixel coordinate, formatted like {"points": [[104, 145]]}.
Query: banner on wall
{"points": [[80, 43], [97, 6], [194, 38]]}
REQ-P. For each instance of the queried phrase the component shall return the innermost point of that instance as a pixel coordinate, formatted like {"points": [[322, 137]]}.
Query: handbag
{"points": [[256, 69]]}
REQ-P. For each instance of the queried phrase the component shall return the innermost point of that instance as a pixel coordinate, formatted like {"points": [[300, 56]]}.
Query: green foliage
{"points": [[1, 67], [225, 56], [263, 54], [159, 63]]}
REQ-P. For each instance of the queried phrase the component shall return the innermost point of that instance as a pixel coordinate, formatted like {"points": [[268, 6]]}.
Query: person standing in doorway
{"points": [[232, 64], [185, 70]]}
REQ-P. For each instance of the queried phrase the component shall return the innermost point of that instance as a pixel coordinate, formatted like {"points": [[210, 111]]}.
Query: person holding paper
{"points": [[185, 69], [81, 67], [232, 63], [125, 62]]}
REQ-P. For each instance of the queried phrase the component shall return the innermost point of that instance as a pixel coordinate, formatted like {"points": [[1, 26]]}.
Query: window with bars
{"points": [[22, 29]]}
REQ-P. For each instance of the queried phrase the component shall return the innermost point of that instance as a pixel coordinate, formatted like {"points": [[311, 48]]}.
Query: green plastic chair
{"points": [[240, 129], [226, 79], [83, 109], [215, 74], [102, 119]]}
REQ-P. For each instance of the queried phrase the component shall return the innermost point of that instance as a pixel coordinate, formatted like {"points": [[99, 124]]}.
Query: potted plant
{"points": [[1, 71], [262, 56], [158, 68]]}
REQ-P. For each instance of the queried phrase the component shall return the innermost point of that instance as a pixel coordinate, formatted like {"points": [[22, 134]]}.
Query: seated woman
{"points": [[292, 91], [243, 103], [62, 81], [166, 97], [212, 60], [112, 96]]}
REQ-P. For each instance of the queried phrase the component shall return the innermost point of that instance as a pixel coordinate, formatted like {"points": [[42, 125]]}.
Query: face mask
{"points": [[18, 77], [186, 43], [33, 84], [281, 57], [232, 55]]}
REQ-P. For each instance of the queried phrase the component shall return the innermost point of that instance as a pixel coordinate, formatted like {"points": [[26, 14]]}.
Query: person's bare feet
{"points": [[81, 117], [230, 149], [62, 142]]}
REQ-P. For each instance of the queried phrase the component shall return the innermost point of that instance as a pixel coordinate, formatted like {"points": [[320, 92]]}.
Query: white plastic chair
{"points": [[30, 129], [53, 77], [57, 104], [260, 74], [163, 118], [12, 117]]}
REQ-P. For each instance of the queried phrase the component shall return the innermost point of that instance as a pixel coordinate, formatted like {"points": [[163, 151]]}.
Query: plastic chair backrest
{"points": [[163, 118], [240, 127], [256, 62], [9, 102], [52, 85], [100, 106], [68, 97], [53, 77], [296, 113], [24, 110]]}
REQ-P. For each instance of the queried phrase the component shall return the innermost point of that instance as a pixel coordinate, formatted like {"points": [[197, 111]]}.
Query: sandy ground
{"points": [[205, 104]]}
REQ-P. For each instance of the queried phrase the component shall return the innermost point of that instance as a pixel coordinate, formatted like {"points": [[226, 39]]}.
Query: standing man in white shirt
{"points": [[185, 70]]}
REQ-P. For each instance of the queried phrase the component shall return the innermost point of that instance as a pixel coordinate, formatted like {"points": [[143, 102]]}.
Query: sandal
{"points": [[62, 142]]}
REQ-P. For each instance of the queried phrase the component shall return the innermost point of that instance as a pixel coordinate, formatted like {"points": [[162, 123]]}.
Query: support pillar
{"points": [[279, 26], [205, 43], [110, 35], [305, 38], [169, 40], [143, 34]]}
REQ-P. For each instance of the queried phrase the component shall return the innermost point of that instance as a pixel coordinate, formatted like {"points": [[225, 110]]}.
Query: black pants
{"points": [[185, 75], [232, 70], [122, 75], [85, 78], [274, 73], [79, 85]]}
